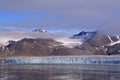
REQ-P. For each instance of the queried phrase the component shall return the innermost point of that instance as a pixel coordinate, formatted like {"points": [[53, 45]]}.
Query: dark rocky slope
{"points": [[98, 45], [36, 47]]}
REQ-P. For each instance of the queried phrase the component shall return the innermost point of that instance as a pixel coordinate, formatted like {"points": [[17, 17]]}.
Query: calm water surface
{"points": [[59, 72]]}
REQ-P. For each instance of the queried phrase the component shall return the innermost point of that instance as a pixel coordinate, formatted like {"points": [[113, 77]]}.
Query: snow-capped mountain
{"points": [[40, 30], [77, 39], [46, 44], [103, 44], [84, 36], [15, 35]]}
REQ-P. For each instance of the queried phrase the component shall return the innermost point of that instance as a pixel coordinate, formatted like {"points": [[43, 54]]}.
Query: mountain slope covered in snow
{"points": [[43, 43]]}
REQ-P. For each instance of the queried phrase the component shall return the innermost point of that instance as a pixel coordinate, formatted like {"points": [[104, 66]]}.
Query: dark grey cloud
{"points": [[88, 14]]}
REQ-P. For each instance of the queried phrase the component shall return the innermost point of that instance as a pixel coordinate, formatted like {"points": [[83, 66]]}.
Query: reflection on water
{"points": [[59, 72]]}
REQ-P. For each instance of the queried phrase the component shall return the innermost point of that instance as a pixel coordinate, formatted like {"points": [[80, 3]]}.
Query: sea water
{"points": [[59, 72]]}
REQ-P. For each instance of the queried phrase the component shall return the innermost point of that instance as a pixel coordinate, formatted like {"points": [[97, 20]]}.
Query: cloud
{"points": [[85, 14], [16, 35]]}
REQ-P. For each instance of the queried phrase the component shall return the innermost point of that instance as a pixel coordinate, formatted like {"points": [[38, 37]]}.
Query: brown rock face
{"points": [[36, 47], [98, 45]]}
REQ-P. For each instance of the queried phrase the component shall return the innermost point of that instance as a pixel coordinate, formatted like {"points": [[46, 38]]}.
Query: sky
{"points": [[61, 15]]}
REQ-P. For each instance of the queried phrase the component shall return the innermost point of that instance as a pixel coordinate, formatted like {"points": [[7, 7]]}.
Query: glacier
{"points": [[63, 60]]}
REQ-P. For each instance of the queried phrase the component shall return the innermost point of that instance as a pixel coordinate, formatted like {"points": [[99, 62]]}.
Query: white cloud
{"points": [[15, 35], [69, 42]]}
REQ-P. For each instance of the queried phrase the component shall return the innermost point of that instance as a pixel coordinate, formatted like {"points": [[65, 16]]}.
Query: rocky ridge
{"points": [[94, 44]]}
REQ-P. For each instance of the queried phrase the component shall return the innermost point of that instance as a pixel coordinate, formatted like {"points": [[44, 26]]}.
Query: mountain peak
{"points": [[85, 36], [83, 33], [40, 30]]}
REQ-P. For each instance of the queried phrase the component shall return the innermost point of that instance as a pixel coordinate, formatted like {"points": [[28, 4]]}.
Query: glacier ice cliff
{"points": [[63, 60]]}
